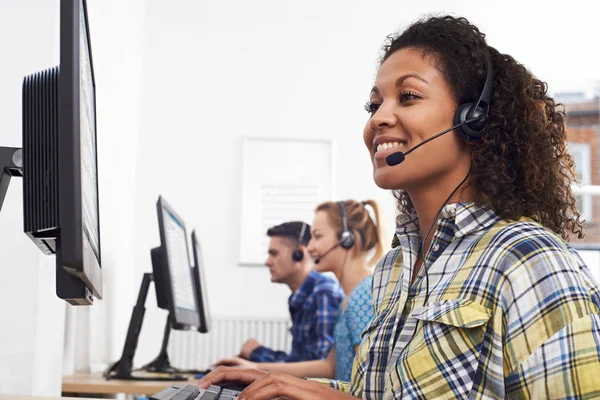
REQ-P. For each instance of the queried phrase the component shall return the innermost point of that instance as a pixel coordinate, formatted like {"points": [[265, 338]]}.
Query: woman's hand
{"points": [[236, 362], [269, 385], [224, 375], [276, 385]]}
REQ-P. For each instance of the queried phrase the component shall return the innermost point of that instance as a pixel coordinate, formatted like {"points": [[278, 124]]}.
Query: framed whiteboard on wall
{"points": [[282, 180]]}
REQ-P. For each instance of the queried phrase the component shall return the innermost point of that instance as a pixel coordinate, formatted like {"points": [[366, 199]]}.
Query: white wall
{"points": [[31, 333], [117, 30]]}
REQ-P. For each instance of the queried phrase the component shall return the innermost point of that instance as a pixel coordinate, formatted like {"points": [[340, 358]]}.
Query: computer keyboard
{"points": [[191, 392]]}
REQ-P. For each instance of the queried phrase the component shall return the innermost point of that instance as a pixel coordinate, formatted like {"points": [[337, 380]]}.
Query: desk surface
{"points": [[16, 397], [96, 384]]}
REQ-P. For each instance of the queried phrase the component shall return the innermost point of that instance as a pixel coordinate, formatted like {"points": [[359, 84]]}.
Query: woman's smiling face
{"points": [[410, 102]]}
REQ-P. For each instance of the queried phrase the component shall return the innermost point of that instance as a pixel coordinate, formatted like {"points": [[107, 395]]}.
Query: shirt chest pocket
{"points": [[442, 358]]}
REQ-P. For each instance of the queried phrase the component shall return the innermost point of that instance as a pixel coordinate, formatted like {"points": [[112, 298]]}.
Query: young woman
{"points": [[342, 235], [481, 297]]}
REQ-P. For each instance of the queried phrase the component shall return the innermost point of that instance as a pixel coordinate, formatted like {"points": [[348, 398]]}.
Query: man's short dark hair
{"points": [[291, 230]]}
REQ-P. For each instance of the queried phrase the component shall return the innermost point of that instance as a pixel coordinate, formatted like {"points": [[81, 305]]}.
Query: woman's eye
{"points": [[371, 107], [407, 96]]}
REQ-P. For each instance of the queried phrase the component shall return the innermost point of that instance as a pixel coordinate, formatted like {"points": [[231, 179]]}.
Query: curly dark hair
{"points": [[521, 167]]}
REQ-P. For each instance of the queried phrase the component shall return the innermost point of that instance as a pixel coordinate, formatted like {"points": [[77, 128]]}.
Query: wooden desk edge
{"points": [[96, 384]]}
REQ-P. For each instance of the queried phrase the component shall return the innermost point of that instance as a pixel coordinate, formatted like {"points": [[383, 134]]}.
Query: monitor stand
{"points": [[122, 369], [161, 362]]}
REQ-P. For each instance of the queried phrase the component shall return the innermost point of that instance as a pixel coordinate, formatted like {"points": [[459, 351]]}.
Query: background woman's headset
{"points": [[346, 236]]}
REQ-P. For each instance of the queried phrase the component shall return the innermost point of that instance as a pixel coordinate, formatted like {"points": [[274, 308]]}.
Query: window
{"points": [[583, 167], [590, 254]]}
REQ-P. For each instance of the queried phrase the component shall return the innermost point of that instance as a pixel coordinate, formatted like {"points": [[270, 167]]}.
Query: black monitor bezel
{"points": [[200, 286], [185, 318], [78, 257]]}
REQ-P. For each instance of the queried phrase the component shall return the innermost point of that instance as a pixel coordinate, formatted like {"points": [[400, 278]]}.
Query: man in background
{"points": [[314, 304]]}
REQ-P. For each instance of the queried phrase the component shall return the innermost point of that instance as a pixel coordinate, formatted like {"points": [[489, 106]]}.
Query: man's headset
{"points": [[298, 254], [346, 238]]}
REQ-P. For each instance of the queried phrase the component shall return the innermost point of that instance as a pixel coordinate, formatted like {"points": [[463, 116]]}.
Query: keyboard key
{"points": [[209, 396], [192, 392], [183, 396], [214, 389], [166, 393]]}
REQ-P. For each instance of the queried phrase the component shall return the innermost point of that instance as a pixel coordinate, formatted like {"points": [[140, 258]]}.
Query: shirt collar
{"points": [[298, 298], [466, 218]]}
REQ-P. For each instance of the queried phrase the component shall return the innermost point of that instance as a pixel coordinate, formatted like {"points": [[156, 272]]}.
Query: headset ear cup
{"points": [[347, 240], [470, 132], [298, 255]]}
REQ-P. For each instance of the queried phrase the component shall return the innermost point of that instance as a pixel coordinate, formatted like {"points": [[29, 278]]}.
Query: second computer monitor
{"points": [[177, 276], [200, 285]]}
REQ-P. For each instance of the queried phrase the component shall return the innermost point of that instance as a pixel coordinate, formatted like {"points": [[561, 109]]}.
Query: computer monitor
{"points": [[173, 282], [58, 161], [200, 286], [177, 277], [78, 160]]}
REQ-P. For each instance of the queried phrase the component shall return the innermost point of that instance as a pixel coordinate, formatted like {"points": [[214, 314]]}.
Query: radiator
{"points": [[193, 350]]}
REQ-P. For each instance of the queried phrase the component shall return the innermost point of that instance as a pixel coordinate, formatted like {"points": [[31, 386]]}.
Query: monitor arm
{"points": [[11, 164]]}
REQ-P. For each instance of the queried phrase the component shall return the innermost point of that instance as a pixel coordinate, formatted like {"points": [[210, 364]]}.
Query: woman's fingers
{"points": [[228, 374], [274, 384]]}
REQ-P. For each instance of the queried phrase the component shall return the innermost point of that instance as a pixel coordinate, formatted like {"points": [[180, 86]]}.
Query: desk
{"points": [[96, 384], [15, 397]]}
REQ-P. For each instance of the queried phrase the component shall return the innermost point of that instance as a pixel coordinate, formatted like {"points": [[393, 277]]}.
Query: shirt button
{"points": [[436, 247]]}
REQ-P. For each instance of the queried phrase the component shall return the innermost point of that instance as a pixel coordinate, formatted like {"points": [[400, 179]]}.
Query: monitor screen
{"points": [[175, 246], [89, 176]]}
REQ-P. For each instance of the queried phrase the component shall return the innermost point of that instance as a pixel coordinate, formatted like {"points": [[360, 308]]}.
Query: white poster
{"points": [[282, 180]]}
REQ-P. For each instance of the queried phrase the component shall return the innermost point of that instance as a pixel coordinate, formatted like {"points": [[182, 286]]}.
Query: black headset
{"points": [[474, 131], [298, 254], [346, 238]]}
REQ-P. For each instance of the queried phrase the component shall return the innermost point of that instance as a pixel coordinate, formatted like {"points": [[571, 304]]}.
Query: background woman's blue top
{"points": [[350, 325]]}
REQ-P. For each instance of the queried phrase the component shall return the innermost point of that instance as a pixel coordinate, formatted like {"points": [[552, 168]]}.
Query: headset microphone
{"points": [[318, 259], [397, 157]]}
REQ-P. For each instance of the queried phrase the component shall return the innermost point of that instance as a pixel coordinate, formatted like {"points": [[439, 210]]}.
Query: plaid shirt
{"points": [[512, 313], [314, 310]]}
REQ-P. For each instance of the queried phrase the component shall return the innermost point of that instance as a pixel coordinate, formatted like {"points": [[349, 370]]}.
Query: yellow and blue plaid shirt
{"points": [[512, 313]]}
